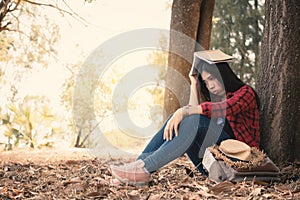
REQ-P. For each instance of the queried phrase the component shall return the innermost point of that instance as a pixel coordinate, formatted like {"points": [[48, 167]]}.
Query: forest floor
{"points": [[75, 174]]}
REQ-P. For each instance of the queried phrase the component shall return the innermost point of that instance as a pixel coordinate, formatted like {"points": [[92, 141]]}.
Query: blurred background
{"points": [[47, 43]]}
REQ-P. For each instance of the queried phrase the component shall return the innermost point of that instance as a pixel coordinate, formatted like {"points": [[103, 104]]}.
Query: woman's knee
{"points": [[190, 124], [199, 120]]}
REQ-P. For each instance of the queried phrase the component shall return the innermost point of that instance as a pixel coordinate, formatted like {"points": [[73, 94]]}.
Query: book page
{"points": [[213, 56]]}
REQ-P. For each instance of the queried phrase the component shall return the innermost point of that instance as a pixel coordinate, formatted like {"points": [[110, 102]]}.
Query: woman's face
{"points": [[213, 84]]}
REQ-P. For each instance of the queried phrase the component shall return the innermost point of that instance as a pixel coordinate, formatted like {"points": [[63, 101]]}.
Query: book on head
{"points": [[211, 57]]}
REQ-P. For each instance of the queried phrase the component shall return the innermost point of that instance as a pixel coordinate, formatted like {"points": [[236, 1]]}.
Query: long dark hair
{"points": [[224, 74]]}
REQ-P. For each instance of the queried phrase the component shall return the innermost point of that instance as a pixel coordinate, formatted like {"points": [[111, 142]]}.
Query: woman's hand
{"points": [[193, 79], [173, 124]]}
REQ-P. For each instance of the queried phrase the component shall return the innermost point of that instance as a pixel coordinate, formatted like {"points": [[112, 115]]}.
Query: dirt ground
{"points": [[44, 156], [76, 174]]}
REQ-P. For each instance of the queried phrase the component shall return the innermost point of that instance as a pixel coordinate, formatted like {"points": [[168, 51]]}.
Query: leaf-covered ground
{"points": [[90, 179]]}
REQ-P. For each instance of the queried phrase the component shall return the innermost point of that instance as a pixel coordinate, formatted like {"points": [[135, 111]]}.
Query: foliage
{"points": [[237, 29], [30, 122], [101, 101], [11, 12], [6, 43], [32, 41], [26, 43], [29, 45]]}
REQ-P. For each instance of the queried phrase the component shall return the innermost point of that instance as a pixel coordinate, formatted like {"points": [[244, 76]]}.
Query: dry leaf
{"points": [[205, 194], [94, 194], [222, 187], [17, 192], [77, 187], [268, 196], [156, 196], [256, 192], [193, 197], [71, 162], [72, 181], [89, 179], [287, 169], [134, 195], [282, 188]]}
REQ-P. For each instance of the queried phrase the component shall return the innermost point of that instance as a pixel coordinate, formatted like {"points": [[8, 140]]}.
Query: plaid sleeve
{"points": [[239, 101]]}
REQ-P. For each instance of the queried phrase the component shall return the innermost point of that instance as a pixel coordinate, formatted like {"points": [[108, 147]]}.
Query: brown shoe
{"points": [[133, 173]]}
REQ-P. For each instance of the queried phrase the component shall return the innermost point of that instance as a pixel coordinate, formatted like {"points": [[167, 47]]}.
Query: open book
{"points": [[211, 57]]}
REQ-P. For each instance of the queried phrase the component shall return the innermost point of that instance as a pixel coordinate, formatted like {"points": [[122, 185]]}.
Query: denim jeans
{"points": [[196, 133]]}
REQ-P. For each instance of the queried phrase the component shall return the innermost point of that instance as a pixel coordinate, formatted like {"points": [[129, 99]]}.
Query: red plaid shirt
{"points": [[241, 111]]}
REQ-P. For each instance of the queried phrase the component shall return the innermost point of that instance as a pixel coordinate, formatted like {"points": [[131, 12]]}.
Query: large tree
{"points": [[193, 18], [279, 79]]}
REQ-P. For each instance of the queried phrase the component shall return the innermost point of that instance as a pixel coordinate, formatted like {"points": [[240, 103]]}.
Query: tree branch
{"points": [[8, 6], [48, 5], [72, 13]]}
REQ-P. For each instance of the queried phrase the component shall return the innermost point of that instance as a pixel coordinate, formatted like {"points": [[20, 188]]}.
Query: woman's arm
{"points": [[241, 100], [194, 95], [194, 109], [177, 117]]}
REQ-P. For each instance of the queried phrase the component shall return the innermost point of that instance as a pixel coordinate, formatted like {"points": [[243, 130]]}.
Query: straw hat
{"points": [[248, 157], [236, 149]]}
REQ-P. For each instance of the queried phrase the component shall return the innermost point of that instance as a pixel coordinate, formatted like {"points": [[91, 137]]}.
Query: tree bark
{"points": [[193, 19], [278, 81]]}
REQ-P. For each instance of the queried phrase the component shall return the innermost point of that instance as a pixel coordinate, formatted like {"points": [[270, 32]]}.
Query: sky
{"points": [[107, 18], [94, 24]]}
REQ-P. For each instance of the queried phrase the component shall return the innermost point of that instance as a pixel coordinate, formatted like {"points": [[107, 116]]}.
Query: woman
{"points": [[230, 111]]}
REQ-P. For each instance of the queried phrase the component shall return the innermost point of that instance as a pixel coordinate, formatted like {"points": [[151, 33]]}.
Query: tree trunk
{"points": [[191, 24], [279, 79]]}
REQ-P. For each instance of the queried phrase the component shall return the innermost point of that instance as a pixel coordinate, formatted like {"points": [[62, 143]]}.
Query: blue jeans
{"points": [[196, 133]]}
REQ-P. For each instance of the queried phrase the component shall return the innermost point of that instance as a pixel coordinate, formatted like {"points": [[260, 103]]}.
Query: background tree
{"points": [[237, 29], [192, 18], [31, 122], [101, 105], [278, 80], [11, 12], [25, 45]]}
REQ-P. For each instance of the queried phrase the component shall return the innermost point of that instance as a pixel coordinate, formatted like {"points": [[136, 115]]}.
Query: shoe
{"points": [[115, 182], [133, 173], [129, 166]]}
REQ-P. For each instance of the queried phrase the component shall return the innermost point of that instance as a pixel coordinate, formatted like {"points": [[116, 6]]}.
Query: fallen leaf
{"points": [[282, 188], [71, 162], [268, 196], [256, 192], [90, 179], [287, 169], [193, 197], [72, 181], [17, 192], [134, 195], [33, 193], [94, 194], [78, 186], [51, 167], [156, 196], [205, 194], [222, 187]]}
